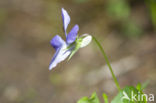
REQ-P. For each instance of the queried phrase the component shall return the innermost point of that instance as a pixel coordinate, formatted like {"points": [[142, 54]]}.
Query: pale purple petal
{"points": [[57, 42], [71, 37], [66, 19], [61, 54]]}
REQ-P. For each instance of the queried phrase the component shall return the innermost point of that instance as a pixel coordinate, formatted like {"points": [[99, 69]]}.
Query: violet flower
{"points": [[69, 47]]}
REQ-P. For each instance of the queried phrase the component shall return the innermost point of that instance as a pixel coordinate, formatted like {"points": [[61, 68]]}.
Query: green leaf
{"points": [[129, 95], [92, 99], [144, 85], [105, 98], [141, 87]]}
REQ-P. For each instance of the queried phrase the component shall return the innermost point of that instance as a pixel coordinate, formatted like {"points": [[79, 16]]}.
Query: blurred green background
{"points": [[126, 29]]}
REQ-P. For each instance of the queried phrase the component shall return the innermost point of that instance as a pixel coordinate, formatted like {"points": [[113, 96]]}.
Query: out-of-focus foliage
{"points": [[120, 11], [80, 1], [152, 8], [131, 29], [3, 16]]}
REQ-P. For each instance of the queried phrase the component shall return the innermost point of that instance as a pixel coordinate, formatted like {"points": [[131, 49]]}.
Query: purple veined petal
{"points": [[71, 37], [60, 55], [86, 39], [57, 42], [66, 20]]}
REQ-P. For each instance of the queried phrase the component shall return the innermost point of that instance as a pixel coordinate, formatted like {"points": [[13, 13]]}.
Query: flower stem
{"points": [[108, 63]]}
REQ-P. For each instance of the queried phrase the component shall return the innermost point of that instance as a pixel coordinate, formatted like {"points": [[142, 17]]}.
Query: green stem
{"points": [[108, 63], [105, 98]]}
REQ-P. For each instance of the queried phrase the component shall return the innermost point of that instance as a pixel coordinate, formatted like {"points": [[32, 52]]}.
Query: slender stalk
{"points": [[108, 63], [105, 98]]}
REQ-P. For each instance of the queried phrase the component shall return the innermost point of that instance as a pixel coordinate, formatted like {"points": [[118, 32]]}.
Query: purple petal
{"points": [[71, 37], [60, 55], [57, 42], [66, 19]]}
